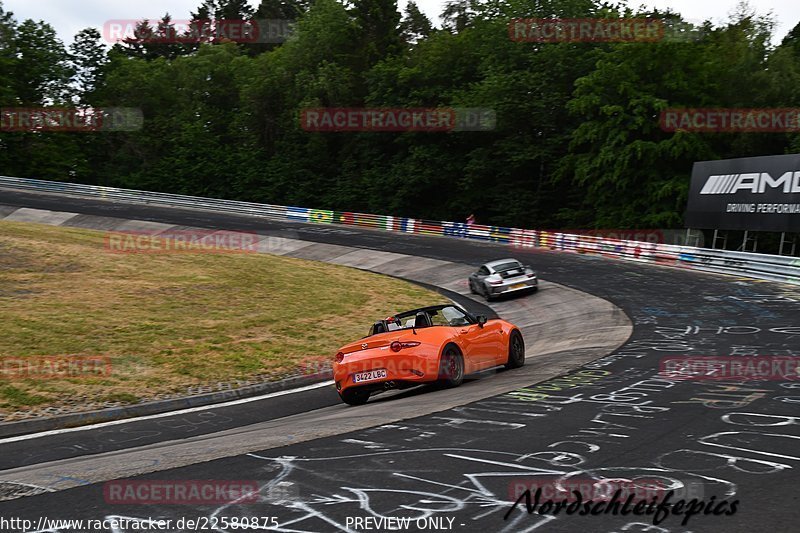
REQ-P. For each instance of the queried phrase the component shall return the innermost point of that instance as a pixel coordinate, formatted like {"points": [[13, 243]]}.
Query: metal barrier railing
{"points": [[759, 266]]}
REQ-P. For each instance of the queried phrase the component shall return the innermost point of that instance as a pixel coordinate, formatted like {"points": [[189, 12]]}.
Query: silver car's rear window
{"points": [[507, 266]]}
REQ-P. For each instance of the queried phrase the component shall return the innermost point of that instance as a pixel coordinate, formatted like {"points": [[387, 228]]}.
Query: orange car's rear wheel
{"points": [[451, 367], [516, 350], [354, 396]]}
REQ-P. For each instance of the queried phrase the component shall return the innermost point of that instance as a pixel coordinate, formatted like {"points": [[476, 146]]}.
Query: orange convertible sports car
{"points": [[440, 343]]}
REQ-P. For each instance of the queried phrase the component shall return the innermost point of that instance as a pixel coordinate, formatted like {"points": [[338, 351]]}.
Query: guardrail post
{"points": [[690, 238], [747, 239], [784, 240], [724, 240]]}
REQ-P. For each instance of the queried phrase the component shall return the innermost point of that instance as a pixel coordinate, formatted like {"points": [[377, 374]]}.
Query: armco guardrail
{"points": [[760, 266]]}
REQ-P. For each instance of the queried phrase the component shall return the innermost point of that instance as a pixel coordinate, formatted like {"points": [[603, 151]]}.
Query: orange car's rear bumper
{"points": [[401, 369]]}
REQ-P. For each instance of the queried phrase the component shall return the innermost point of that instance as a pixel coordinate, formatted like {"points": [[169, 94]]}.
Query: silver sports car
{"points": [[502, 277]]}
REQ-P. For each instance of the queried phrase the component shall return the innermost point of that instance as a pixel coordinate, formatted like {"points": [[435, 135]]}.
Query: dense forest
{"points": [[577, 141]]}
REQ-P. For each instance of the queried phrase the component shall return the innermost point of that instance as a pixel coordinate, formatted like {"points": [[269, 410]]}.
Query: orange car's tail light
{"points": [[396, 346], [339, 357]]}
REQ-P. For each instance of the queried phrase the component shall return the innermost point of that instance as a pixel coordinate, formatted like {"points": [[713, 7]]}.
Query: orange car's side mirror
{"points": [[481, 320]]}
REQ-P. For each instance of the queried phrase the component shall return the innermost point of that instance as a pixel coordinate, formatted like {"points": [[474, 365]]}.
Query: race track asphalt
{"points": [[460, 468]]}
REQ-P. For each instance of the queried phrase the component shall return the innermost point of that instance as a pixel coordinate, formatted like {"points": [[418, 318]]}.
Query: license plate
{"points": [[372, 375], [518, 286]]}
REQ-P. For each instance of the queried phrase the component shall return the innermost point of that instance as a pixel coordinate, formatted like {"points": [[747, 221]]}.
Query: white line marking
{"points": [[164, 415]]}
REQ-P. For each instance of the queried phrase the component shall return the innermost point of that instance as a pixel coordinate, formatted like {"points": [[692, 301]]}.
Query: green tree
{"points": [[8, 56], [634, 173], [88, 58], [783, 80], [215, 21], [281, 9], [457, 14], [151, 42], [415, 25], [42, 71], [378, 24], [137, 46]]}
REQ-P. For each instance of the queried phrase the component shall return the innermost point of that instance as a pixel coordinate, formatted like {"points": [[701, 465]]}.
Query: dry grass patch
{"points": [[169, 322]]}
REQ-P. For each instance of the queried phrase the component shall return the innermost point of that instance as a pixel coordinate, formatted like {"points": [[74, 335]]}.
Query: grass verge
{"points": [[171, 322]]}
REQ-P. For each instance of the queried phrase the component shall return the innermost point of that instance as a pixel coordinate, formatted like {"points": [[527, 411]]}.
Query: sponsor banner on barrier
{"points": [[488, 233], [499, 234], [367, 221], [478, 231], [407, 225], [299, 214], [55, 367], [429, 227], [524, 238], [182, 241], [455, 229], [320, 216], [727, 368], [343, 217]]}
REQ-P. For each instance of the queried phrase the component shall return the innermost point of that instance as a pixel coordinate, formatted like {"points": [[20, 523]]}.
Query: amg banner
{"points": [[752, 193]]}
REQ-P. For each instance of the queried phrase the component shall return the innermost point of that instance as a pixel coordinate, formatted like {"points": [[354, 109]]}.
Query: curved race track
{"points": [[612, 418]]}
